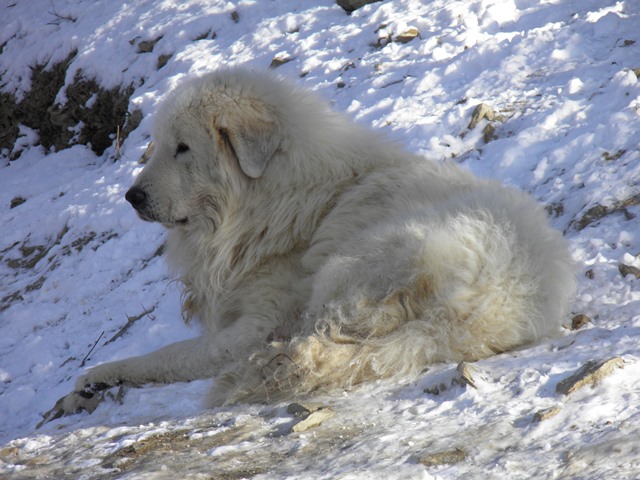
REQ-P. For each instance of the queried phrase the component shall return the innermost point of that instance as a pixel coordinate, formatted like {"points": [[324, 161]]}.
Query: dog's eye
{"points": [[182, 148]]}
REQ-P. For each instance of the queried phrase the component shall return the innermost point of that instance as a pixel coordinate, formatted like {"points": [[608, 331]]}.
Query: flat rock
{"points": [[351, 5], [146, 46], [489, 133], [465, 374], [545, 414], [448, 457], [408, 35], [313, 420], [298, 410], [481, 112], [278, 61], [590, 373], [579, 321], [628, 270]]}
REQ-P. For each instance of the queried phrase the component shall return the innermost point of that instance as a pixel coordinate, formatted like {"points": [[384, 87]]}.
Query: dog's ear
{"points": [[253, 138]]}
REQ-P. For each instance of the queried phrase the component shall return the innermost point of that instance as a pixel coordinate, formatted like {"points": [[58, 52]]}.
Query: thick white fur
{"points": [[316, 255]]}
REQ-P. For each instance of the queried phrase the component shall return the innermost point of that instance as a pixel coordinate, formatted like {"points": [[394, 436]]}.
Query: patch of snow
{"points": [[76, 265]]}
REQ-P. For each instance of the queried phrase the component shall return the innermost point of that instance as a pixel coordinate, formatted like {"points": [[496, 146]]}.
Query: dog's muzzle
{"points": [[139, 200], [136, 197]]}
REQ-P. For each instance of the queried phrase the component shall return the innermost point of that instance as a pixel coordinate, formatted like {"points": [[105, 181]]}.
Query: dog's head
{"points": [[212, 138]]}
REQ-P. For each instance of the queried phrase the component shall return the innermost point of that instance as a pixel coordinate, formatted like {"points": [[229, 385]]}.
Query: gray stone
{"points": [[489, 133], [465, 375], [448, 457], [313, 420], [144, 158], [298, 410], [628, 270], [278, 61], [590, 373], [579, 321], [351, 5], [146, 46], [481, 112], [545, 414], [406, 37]]}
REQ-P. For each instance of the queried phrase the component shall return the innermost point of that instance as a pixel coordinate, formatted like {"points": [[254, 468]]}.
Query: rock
{"points": [[611, 157], [545, 414], [205, 36], [17, 201], [146, 46], [384, 37], [628, 270], [592, 215], [579, 321], [132, 121], [278, 61], [598, 212], [407, 36], [9, 451], [163, 60], [464, 375], [589, 374], [555, 209], [313, 420], [443, 458], [144, 158], [489, 133], [298, 410], [436, 389], [481, 112], [351, 5]]}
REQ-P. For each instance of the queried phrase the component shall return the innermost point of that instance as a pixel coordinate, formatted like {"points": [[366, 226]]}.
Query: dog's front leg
{"points": [[179, 362]]}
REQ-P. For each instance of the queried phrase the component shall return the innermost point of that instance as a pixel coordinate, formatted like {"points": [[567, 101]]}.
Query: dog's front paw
{"points": [[86, 399], [87, 396]]}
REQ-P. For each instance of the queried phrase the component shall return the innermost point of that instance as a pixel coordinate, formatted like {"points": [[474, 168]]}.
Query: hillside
{"points": [[83, 281]]}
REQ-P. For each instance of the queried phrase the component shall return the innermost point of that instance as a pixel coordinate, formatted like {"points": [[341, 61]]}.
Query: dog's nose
{"points": [[136, 197]]}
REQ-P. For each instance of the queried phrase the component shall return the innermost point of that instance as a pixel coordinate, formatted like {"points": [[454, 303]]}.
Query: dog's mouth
{"points": [[146, 216], [168, 224], [183, 222]]}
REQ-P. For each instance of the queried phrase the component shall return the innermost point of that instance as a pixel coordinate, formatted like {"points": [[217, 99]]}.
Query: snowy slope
{"points": [[82, 280]]}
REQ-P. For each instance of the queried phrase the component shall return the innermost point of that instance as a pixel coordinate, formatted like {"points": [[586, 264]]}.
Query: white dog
{"points": [[316, 255]]}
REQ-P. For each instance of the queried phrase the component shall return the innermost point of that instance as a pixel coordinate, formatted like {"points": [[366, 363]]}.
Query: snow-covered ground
{"points": [[77, 266]]}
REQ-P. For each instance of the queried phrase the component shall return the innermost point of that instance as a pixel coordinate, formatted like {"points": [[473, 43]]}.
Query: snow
{"points": [[76, 265]]}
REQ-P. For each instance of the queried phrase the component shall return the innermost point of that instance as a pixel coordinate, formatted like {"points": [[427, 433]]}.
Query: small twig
{"points": [[94, 346], [130, 322], [118, 142], [264, 377], [266, 391], [59, 17]]}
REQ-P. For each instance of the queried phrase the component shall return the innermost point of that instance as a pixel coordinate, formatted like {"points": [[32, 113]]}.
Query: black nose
{"points": [[136, 197]]}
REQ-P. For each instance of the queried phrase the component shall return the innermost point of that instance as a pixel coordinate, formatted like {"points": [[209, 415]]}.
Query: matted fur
{"points": [[316, 255]]}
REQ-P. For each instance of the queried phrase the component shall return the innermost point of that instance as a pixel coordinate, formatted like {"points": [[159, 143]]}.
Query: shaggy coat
{"points": [[316, 255]]}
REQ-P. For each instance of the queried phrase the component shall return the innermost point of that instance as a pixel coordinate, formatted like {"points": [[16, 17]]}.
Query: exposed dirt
{"points": [[91, 115]]}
